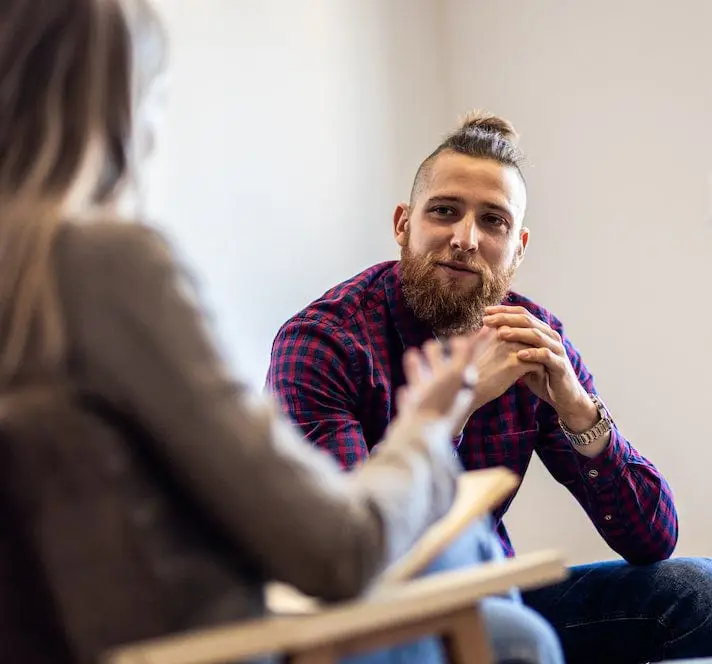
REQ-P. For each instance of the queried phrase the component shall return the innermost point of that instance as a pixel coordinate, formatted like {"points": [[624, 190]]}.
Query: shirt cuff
{"points": [[606, 468]]}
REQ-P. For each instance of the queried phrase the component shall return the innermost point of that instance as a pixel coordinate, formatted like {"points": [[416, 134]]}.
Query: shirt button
{"points": [[608, 517], [593, 473]]}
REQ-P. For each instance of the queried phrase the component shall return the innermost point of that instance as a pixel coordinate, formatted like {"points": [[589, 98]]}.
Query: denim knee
{"points": [[519, 634], [475, 545], [684, 597]]}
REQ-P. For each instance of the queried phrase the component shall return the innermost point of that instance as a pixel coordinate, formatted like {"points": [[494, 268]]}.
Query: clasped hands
{"points": [[451, 380], [512, 345]]}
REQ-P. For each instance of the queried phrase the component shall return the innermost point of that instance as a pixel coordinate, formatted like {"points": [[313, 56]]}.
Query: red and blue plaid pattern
{"points": [[336, 366]]}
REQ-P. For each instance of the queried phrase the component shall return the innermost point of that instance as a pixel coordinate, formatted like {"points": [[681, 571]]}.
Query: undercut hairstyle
{"points": [[479, 135]]}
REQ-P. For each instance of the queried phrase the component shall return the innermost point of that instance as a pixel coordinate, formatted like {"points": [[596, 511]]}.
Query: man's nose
{"points": [[464, 235]]}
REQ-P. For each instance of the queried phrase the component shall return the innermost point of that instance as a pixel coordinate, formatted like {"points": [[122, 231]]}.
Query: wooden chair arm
{"points": [[479, 491], [388, 606]]}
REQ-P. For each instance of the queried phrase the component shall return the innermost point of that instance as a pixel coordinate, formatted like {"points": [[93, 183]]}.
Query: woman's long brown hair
{"points": [[70, 73]]}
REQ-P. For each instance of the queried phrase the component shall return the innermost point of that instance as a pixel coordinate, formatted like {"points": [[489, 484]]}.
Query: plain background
{"points": [[294, 128]]}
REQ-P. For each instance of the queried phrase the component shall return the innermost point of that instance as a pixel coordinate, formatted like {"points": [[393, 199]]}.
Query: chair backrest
{"points": [[119, 554]]}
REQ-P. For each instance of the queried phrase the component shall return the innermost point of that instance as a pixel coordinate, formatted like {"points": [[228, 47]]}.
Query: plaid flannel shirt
{"points": [[335, 369]]}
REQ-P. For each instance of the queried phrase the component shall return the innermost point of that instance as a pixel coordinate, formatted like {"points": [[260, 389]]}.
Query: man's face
{"points": [[461, 240]]}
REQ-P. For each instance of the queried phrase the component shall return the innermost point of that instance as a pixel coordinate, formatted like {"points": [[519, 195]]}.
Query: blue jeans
{"points": [[618, 613], [517, 634]]}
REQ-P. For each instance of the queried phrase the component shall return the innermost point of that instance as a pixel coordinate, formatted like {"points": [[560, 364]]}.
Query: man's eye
{"points": [[443, 211], [494, 220]]}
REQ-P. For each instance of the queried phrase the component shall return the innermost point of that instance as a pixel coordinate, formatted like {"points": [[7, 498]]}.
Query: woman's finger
{"points": [[402, 399], [460, 372], [433, 352], [460, 350], [470, 377], [413, 367]]}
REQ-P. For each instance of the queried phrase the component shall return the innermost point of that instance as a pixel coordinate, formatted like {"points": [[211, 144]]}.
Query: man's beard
{"points": [[447, 307]]}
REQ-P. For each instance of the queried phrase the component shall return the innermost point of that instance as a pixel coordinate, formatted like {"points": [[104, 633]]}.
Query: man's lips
{"points": [[459, 267]]}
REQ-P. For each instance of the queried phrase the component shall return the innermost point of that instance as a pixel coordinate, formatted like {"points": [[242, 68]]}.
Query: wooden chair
{"points": [[444, 605], [397, 610]]}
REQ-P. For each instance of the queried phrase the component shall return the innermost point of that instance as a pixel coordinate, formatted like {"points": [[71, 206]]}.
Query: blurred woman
{"points": [[102, 309]]}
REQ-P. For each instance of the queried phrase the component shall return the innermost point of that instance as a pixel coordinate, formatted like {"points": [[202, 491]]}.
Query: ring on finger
{"points": [[469, 377]]}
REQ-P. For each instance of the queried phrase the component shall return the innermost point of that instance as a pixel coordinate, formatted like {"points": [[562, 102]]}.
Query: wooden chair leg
{"points": [[316, 656], [466, 640]]}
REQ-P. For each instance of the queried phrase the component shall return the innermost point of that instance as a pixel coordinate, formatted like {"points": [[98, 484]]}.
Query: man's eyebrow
{"points": [[488, 205], [446, 198], [498, 207]]}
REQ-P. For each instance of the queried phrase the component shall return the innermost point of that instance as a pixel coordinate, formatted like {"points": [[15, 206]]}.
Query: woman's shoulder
{"points": [[109, 254], [107, 241], [110, 264]]}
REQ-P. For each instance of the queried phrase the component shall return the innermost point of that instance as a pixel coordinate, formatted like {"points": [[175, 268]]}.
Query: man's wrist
{"points": [[584, 417]]}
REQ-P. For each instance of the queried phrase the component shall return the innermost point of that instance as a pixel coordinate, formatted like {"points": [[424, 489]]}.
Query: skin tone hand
{"points": [[498, 367], [558, 383], [440, 380]]}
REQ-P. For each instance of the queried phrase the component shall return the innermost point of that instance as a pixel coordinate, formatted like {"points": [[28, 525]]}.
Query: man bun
{"points": [[489, 123]]}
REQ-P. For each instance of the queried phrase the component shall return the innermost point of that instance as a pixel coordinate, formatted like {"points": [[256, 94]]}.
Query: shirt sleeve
{"points": [[139, 342], [314, 375], [625, 496]]}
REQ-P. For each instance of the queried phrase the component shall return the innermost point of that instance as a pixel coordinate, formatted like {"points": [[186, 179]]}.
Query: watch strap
{"points": [[598, 430]]}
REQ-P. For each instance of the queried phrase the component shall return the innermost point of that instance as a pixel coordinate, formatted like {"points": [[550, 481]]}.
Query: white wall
{"points": [[614, 102], [291, 130], [294, 127]]}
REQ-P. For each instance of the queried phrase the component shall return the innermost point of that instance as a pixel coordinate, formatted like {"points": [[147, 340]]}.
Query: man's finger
{"points": [[543, 356], [538, 370], [520, 320], [505, 309], [531, 337]]}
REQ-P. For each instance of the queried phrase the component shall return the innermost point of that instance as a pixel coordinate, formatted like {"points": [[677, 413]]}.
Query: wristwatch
{"points": [[598, 430]]}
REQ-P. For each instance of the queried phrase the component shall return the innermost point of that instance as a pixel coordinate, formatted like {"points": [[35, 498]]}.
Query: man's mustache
{"points": [[475, 266]]}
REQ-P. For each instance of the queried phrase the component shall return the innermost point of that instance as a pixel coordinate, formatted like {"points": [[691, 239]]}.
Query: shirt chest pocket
{"points": [[512, 449]]}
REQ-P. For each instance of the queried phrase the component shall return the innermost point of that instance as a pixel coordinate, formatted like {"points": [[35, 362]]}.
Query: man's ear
{"points": [[400, 223], [522, 247]]}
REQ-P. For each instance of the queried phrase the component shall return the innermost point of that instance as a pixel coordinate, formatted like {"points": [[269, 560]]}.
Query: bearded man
{"points": [[336, 369]]}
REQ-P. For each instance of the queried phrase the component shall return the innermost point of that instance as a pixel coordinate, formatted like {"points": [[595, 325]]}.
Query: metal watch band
{"points": [[598, 430]]}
